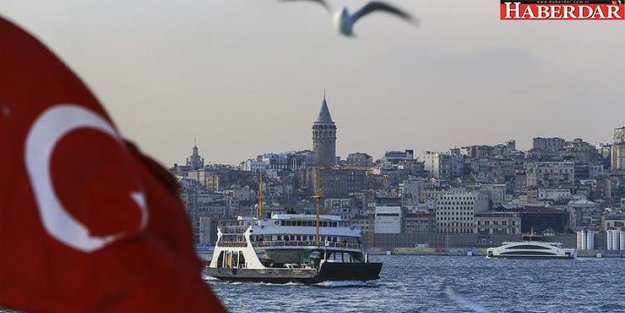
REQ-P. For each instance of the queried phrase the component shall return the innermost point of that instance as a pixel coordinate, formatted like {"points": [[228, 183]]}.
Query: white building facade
{"points": [[388, 219], [456, 210]]}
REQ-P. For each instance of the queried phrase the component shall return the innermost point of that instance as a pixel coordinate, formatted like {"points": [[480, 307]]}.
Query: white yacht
{"points": [[532, 247], [292, 247]]}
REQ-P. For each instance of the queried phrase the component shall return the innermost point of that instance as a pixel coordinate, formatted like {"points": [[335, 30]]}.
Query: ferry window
{"points": [[242, 260], [220, 259]]}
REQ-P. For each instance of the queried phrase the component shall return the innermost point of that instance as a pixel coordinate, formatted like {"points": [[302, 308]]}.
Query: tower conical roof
{"points": [[324, 114]]}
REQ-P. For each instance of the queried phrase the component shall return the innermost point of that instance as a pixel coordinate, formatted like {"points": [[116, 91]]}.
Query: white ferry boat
{"points": [[532, 247], [285, 248]]}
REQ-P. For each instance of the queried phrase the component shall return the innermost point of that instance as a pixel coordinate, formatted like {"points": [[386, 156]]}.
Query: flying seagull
{"points": [[345, 21], [321, 2]]}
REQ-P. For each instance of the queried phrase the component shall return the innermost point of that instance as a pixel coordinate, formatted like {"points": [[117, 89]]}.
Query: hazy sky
{"points": [[247, 76]]}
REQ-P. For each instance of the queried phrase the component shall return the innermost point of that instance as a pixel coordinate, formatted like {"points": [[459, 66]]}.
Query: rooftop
{"points": [[324, 114]]}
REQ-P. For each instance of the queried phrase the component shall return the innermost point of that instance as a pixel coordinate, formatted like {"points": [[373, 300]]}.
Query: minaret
{"points": [[324, 137]]}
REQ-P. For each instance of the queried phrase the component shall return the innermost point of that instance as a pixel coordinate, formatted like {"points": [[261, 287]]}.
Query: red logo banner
{"points": [[562, 10]]}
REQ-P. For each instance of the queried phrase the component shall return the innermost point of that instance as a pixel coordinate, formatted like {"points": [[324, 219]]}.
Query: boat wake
{"points": [[589, 259], [347, 284], [209, 278], [464, 302]]}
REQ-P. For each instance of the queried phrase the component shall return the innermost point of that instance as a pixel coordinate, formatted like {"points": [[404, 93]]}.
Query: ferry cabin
{"points": [[287, 241]]}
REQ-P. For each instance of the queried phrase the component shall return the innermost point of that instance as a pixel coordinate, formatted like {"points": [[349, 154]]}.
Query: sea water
{"points": [[448, 284]]}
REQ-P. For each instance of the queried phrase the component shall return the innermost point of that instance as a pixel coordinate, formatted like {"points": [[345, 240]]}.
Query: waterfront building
{"points": [[388, 219], [456, 210], [338, 182], [275, 161], [398, 156], [359, 159], [613, 219], [477, 151], [554, 194], [361, 223], [411, 191], [618, 149], [584, 214], [548, 145], [438, 164], [433, 193], [205, 178], [497, 223], [300, 160], [344, 207], [540, 218], [497, 193], [418, 223], [580, 151], [254, 165], [550, 174]]}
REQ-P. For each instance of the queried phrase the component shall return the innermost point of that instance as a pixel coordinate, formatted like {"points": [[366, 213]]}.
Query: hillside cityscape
{"points": [[473, 196]]}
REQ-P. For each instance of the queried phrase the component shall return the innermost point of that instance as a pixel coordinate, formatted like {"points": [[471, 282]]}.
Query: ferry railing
{"points": [[233, 229], [232, 244], [305, 243]]}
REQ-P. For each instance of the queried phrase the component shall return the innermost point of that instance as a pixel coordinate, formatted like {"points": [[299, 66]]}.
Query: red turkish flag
{"points": [[87, 223]]}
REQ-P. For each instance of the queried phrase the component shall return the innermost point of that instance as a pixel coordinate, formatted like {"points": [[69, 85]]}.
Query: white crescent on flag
{"points": [[49, 128]]}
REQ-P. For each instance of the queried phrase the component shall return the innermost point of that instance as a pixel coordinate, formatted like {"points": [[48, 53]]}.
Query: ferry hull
{"points": [[328, 272], [350, 271]]}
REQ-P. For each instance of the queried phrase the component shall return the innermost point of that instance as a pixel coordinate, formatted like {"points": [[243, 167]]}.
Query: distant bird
{"points": [[321, 2], [345, 21]]}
